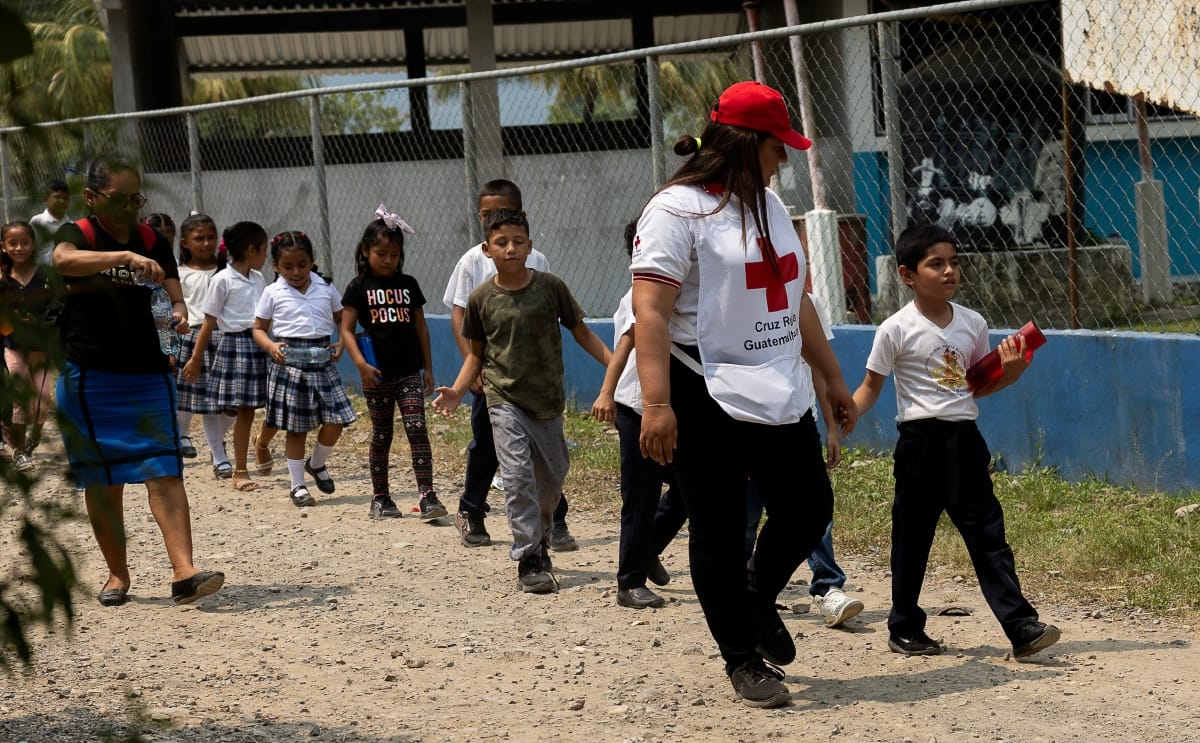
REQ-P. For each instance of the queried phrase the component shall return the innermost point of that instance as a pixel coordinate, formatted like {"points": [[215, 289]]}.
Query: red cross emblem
{"points": [[760, 276]]}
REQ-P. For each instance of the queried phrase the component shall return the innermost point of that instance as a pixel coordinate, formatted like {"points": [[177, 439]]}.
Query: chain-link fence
{"points": [[955, 114]]}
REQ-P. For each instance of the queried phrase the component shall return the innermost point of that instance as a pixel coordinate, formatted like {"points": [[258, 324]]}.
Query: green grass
{"points": [[1075, 542]]}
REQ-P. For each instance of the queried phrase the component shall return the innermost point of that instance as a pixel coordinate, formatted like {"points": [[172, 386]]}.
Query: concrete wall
{"points": [[1094, 404]]}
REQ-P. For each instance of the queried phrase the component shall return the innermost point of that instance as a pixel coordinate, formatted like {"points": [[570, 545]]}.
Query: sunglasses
{"points": [[121, 201]]}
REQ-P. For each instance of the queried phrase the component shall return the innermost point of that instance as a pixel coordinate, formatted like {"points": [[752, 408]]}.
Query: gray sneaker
{"points": [[561, 539], [383, 507]]}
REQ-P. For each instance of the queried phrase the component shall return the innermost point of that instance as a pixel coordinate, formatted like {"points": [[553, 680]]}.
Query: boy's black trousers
{"points": [[943, 466]]}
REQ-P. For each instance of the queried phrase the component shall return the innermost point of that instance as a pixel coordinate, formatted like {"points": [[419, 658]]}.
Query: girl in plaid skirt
{"points": [[304, 390], [238, 374], [198, 263]]}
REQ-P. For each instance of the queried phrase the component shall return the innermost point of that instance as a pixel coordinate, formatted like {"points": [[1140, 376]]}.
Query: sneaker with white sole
{"points": [[22, 461], [836, 607], [759, 685]]}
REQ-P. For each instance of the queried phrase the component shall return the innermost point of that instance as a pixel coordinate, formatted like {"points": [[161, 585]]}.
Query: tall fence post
{"points": [[5, 173], [656, 122], [889, 75], [193, 134], [325, 249], [470, 174]]}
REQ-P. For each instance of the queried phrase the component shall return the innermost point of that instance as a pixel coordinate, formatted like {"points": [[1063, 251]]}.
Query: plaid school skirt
{"points": [[118, 428], [303, 398], [239, 373], [198, 396]]}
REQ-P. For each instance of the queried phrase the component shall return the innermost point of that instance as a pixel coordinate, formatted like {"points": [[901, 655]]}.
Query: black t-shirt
{"points": [[385, 309], [106, 320], [30, 308]]}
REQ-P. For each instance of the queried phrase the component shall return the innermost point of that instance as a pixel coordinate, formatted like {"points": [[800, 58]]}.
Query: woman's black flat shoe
{"points": [[113, 596], [201, 584]]}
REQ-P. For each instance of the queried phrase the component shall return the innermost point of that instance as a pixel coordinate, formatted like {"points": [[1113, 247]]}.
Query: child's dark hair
{"points": [[501, 217], [240, 236], [914, 242], [630, 235], [56, 185], [6, 262], [292, 240], [160, 223], [504, 189], [375, 232], [190, 224]]}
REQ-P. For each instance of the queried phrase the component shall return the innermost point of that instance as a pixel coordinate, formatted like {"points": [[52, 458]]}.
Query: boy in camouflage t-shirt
{"points": [[512, 324]]}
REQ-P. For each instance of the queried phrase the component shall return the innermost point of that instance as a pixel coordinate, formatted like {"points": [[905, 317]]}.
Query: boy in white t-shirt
{"points": [[941, 459], [46, 224], [473, 269]]}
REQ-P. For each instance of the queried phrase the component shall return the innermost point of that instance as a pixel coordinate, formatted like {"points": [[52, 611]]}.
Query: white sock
{"points": [[227, 422], [184, 419], [214, 433], [320, 455], [296, 472]]}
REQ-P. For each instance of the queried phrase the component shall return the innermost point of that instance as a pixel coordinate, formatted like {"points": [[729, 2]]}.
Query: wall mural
{"points": [[983, 153]]}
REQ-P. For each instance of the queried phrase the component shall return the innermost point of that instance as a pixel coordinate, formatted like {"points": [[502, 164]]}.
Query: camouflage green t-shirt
{"points": [[522, 346]]}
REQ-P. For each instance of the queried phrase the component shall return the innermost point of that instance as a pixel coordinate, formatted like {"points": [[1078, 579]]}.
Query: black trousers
{"points": [[714, 457], [650, 519], [482, 464], [943, 466]]}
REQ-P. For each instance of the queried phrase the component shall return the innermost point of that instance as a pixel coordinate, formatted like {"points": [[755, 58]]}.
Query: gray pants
{"points": [[533, 463]]}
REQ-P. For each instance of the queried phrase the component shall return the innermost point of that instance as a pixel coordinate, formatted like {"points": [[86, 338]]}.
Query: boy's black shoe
{"points": [[920, 644], [657, 574], [471, 529], [639, 598], [1034, 637], [533, 575], [759, 685], [383, 507], [772, 637], [431, 507], [561, 539]]}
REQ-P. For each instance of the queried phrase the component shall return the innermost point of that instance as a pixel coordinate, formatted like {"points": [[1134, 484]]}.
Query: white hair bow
{"points": [[393, 221]]}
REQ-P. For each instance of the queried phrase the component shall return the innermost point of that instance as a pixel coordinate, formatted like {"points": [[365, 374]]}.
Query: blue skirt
{"points": [[118, 428]]}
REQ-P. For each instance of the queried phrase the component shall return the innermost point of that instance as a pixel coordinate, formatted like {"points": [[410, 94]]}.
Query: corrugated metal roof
{"points": [[384, 50]]}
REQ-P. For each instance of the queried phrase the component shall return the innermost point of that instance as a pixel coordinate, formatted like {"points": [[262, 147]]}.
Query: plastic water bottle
{"points": [[988, 369], [311, 355], [169, 341]]}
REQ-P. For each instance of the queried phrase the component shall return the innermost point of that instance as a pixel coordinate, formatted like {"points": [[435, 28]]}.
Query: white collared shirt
{"points": [[232, 298], [294, 314]]}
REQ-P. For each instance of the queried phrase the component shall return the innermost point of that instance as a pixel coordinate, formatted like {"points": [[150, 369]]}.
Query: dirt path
{"points": [[335, 627]]}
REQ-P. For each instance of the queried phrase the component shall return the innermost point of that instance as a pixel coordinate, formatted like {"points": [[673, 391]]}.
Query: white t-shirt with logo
{"points": [[930, 362], [474, 268], [745, 321]]}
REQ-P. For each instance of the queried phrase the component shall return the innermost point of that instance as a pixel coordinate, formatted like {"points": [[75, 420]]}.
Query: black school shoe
{"points": [[202, 584], [772, 638], [657, 574], [919, 644], [1034, 637], [759, 685], [324, 484]]}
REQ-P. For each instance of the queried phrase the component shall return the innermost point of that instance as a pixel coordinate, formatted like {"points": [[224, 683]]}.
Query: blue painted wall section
{"points": [[1117, 406]]}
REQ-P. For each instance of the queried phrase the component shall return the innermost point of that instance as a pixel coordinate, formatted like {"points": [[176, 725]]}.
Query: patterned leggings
{"points": [[381, 403]]}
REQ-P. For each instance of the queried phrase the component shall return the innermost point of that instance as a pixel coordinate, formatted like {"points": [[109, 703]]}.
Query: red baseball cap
{"points": [[752, 105]]}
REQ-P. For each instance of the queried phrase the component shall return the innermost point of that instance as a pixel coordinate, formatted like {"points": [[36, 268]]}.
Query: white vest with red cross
{"points": [[741, 313]]}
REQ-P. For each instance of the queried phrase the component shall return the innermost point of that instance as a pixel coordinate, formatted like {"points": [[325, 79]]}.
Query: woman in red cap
{"points": [[723, 321]]}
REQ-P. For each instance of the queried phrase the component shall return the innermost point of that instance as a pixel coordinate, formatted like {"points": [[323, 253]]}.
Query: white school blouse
{"points": [[294, 314], [233, 297]]}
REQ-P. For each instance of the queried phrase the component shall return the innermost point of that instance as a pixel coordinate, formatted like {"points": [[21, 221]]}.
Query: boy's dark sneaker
{"points": [[383, 507], [759, 685], [431, 507], [1034, 637], [471, 529], [919, 644], [657, 574], [774, 641], [533, 575], [561, 539]]}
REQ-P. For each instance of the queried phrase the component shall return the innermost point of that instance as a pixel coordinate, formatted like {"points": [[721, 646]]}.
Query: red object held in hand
{"points": [[988, 369]]}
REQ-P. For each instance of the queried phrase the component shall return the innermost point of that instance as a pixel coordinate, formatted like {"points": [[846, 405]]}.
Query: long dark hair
{"points": [[6, 261], [377, 230], [728, 157]]}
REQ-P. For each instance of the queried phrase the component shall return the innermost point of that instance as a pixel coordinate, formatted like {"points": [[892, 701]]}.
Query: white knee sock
{"points": [[296, 472], [214, 431], [320, 455], [184, 419]]}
